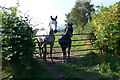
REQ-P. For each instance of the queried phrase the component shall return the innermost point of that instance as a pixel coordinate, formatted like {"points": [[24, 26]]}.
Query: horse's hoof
{"points": [[64, 61], [44, 58], [68, 61], [52, 60]]}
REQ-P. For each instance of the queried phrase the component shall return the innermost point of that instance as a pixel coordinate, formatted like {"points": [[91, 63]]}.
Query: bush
{"points": [[110, 66], [17, 38], [92, 58], [107, 33], [107, 30]]}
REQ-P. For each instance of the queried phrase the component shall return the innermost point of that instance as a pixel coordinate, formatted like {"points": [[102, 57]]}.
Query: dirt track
{"points": [[53, 67]]}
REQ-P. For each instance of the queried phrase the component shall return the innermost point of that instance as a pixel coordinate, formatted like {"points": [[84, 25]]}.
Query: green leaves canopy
{"points": [[82, 13], [107, 28]]}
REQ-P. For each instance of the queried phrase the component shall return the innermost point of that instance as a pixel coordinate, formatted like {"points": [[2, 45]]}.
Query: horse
{"points": [[47, 38], [65, 40]]}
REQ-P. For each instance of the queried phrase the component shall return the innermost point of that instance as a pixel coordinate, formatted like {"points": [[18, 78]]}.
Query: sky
{"points": [[41, 10]]}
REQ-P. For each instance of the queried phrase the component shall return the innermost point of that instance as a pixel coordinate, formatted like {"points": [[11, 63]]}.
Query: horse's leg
{"points": [[45, 47], [51, 47], [42, 50], [69, 52], [64, 53], [39, 49]]}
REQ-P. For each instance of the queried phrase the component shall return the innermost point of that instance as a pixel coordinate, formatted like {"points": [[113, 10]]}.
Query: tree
{"points": [[68, 18], [81, 13]]}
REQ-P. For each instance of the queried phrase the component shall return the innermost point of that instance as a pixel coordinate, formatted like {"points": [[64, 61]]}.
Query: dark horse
{"points": [[65, 40]]}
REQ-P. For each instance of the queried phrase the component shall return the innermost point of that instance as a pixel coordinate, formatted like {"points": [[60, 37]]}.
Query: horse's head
{"points": [[54, 23], [69, 29]]}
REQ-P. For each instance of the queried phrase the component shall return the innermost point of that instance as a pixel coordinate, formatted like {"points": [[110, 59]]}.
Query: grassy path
{"points": [[52, 68], [77, 68]]}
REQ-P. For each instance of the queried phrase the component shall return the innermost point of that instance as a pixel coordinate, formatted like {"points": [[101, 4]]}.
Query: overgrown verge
{"points": [[107, 31], [17, 42], [18, 71], [105, 36], [18, 46], [108, 65], [92, 65]]}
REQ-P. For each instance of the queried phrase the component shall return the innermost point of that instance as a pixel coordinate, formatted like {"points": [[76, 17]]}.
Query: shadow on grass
{"points": [[36, 71], [78, 67]]}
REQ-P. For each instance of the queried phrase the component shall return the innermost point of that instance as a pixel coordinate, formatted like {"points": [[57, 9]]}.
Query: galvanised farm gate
{"points": [[85, 44]]}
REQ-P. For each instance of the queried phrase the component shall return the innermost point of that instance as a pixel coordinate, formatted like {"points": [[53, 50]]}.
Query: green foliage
{"points": [[107, 33], [89, 28], [92, 59], [81, 13], [17, 38], [68, 18], [107, 29], [110, 65], [18, 71], [77, 70]]}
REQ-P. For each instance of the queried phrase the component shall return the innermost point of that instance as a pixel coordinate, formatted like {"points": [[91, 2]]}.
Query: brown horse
{"points": [[65, 40]]}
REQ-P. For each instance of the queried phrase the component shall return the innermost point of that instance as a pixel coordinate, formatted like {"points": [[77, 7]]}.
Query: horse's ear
{"points": [[71, 24], [51, 17], [56, 17], [68, 24]]}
